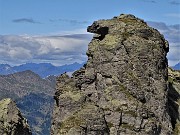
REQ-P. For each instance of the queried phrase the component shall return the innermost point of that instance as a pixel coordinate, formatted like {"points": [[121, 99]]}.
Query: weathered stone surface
{"points": [[11, 120], [174, 99], [122, 90]]}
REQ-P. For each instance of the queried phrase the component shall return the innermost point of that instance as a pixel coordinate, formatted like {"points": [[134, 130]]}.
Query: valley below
{"points": [[33, 92]]}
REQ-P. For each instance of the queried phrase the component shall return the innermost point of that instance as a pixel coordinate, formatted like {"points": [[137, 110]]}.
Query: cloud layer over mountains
{"points": [[68, 49], [53, 49]]}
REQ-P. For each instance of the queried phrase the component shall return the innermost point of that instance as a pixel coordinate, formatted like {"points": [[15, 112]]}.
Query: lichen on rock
{"points": [[11, 120], [174, 99], [122, 89]]}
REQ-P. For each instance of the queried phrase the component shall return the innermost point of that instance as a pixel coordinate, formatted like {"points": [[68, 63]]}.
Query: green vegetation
{"points": [[74, 95], [133, 22], [177, 129], [132, 113], [109, 42], [170, 79], [126, 35], [134, 78], [125, 91], [106, 109], [127, 126], [71, 122], [129, 21], [110, 124], [118, 109]]}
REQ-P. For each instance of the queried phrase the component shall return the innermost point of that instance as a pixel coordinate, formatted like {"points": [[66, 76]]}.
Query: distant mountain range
{"points": [[177, 66], [33, 95], [42, 69]]}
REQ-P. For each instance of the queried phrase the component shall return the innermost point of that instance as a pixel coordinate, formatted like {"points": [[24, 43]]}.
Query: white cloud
{"points": [[69, 48], [70, 32], [19, 53], [57, 50]]}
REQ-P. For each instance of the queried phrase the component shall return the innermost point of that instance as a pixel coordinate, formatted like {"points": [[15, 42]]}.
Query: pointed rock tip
{"points": [[5, 101]]}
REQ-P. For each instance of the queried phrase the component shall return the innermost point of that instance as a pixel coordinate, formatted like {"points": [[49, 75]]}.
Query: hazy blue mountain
{"points": [[177, 66], [42, 69], [6, 69]]}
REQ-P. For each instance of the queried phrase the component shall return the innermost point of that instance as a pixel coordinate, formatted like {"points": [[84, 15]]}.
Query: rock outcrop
{"points": [[174, 99], [11, 120], [123, 88]]}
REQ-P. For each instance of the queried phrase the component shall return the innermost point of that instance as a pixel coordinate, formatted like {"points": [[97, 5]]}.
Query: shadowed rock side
{"points": [[122, 90], [11, 120], [174, 99]]}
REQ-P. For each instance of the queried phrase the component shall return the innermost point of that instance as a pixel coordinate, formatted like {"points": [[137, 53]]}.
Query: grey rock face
{"points": [[174, 99], [122, 90], [11, 120]]}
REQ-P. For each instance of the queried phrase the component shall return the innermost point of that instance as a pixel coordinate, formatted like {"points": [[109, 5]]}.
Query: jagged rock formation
{"points": [[174, 99], [11, 120], [122, 90]]}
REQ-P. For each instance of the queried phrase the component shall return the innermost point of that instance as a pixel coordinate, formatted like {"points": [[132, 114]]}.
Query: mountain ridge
{"points": [[33, 96], [42, 69], [177, 66]]}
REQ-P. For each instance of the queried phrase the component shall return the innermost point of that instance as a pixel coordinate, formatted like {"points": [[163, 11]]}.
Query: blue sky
{"points": [[21, 20], [48, 17]]}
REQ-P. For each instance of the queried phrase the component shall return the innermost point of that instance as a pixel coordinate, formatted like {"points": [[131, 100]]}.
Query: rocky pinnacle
{"points": [[11, 120], [122, 89]]}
